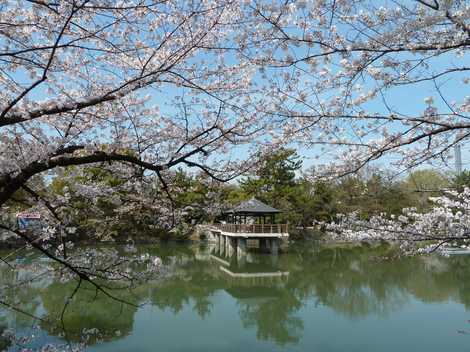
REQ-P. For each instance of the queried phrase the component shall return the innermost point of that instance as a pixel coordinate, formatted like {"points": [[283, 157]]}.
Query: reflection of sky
{"points": [[417, 327], [161, 330]]}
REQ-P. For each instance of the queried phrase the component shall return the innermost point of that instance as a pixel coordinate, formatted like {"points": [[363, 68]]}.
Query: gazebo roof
{"points": [[253, 206]]}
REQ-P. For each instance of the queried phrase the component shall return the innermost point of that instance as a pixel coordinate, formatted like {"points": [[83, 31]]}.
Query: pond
{"points": [[313, 298]]}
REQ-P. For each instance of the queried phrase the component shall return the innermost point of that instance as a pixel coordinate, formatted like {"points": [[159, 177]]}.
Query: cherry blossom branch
{"points": [[48, 64], [80, 274]]}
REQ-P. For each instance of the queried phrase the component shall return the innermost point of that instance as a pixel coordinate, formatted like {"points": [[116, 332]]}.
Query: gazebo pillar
{"points": [[241, 246], [241, 260], [227, 245], [264, 244], [274, 246], [222, 243], [230, 246]]}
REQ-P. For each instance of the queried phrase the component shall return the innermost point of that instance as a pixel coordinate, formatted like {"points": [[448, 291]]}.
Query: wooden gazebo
{"points": [[257, 211], [251, 219]]}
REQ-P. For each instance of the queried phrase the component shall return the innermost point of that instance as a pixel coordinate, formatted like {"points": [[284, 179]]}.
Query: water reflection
{"points": [[88, 310], [274, 296], [258, 284]]}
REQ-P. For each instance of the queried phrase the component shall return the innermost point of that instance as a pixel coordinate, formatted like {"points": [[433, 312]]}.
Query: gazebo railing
{"points": [[252, 228]]}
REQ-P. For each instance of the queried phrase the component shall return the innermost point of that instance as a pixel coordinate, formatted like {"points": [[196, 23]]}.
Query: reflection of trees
{"points": [[269, 309], [272, 316], [350, 281], [4, 343], [353, 282], [450, 280], [14, 293], [87, 310], [190, 282], [347, 281]]}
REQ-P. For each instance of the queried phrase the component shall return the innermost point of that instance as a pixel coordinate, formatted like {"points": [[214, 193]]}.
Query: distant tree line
{"points": [[279, 180]]}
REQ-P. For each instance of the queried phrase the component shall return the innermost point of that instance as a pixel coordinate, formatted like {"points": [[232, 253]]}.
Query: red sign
{"points": [[26, 215]]}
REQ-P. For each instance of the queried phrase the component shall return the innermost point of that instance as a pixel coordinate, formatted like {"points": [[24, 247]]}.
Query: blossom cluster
{"points": [[447, 223]]}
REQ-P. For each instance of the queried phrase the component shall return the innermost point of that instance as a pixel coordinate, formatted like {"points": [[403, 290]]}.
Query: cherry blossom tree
{"points": [[138, 87], [143, 86], [447, 223], [161, 84], [150, 85], [364, 80], [360, 81]]}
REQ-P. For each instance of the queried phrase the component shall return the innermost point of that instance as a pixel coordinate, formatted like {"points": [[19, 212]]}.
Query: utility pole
{"points": [[458, 159]]}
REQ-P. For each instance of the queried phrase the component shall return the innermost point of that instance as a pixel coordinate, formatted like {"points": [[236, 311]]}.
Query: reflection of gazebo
{"points": [[241, 274], [254, 209]]}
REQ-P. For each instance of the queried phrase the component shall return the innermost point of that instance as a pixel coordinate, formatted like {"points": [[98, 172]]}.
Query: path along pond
{"points": [[313, 298]]}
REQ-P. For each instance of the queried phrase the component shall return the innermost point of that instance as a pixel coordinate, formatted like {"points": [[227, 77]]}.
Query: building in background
{"points": [[28, 220]]}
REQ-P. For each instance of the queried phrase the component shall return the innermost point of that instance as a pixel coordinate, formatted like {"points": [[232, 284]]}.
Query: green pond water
{"points": [[313, 298]]}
